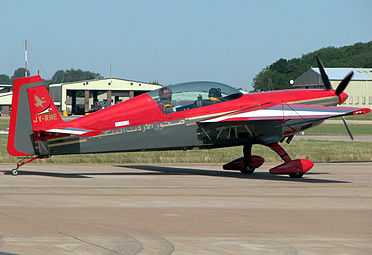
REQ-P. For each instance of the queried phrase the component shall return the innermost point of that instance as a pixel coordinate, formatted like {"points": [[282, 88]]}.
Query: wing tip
{"points": [[361, 111]]}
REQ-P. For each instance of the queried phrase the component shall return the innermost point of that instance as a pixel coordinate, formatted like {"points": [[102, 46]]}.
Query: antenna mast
{"points": [[26, 59]]}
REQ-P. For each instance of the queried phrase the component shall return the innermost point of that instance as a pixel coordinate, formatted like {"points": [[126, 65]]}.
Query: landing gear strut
{"points": [[247, 156], [22, 162], [294, 168]]}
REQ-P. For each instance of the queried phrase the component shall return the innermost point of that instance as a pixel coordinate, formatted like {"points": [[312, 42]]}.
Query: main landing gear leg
{"points": [[294, 168], [22, 162], [278, 149], [247, 156]]}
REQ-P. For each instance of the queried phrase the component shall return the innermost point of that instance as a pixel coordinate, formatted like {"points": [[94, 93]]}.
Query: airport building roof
{"points": [[361, 74], [108, 83], [5, 87]]}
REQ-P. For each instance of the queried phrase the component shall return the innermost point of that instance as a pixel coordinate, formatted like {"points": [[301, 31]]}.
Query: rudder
{"points": [[32, 112]]}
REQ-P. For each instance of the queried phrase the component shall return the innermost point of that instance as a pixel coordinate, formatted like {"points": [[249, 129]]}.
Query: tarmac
{"points": [[185, 209]]}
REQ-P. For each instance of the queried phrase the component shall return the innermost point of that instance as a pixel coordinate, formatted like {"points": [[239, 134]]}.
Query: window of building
{"points": [[370, 100], [357, 100], [363, 100], [350, 99]]}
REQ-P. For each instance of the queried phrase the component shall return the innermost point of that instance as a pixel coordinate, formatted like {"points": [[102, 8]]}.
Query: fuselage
{"points": [[139, 124], [143, 109]]}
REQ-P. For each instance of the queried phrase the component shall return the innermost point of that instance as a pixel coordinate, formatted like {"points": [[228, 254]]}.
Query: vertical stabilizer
{"points": [[32, 111]]}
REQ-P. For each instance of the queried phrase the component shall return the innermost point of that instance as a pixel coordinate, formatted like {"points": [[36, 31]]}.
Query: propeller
{"points": [[340, 88], [327, 84], [325, 79], [343, 84]]}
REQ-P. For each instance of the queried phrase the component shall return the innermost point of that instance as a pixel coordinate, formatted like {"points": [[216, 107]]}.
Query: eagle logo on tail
{"points": [[39, 101]]}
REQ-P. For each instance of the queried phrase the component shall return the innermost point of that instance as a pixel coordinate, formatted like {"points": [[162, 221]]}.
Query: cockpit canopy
{"points": [[189, 95]]}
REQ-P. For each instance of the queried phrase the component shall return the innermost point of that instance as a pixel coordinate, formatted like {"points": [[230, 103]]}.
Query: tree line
{"points": [[69, 75], [278, 74], [275, 76]]}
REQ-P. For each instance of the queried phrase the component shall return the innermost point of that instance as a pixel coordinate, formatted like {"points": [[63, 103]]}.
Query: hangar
{"points": [[359, 89], [90, 95], [5, 99], [85, 96]]}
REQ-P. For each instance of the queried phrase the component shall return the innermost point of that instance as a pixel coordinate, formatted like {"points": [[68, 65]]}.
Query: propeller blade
{"points": [[323, 74], [347, 128], [343, 84]]}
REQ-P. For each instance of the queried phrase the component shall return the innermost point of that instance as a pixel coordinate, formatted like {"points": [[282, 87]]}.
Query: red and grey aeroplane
{"points": [[178, 117]]}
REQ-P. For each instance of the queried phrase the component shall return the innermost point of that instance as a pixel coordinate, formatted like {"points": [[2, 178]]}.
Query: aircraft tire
{"points": [[296, 175], [247, 170], [14, 172]]}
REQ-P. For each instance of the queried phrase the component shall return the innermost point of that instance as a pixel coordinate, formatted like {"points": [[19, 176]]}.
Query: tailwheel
{"points": [[25, 161], [14, 172]]}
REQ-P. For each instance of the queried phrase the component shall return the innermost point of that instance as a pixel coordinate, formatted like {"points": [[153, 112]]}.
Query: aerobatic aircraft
{"points": [[192, 115]]}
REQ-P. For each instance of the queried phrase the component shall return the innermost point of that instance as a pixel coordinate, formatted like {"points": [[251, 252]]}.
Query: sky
{"points": [[170, 41]]}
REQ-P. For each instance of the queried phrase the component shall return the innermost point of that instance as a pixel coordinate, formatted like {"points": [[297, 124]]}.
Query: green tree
{"points": [[72, 75], [20, 72], [278, 74], [4, 79], [58, 77]]}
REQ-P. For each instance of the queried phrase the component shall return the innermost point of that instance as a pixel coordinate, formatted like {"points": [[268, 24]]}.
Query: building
{"points": [[5, 88], [85, 96], [359, 89], [5, 99]]}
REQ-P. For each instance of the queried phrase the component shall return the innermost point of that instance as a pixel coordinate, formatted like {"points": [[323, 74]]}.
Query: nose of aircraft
{"points": [[342, 97]]}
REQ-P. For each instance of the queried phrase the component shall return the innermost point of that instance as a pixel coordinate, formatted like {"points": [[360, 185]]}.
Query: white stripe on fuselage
{"points": [[274, 113], [67, 131], [208, 115]]}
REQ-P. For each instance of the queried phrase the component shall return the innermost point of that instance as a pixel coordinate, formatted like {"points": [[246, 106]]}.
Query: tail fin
{"points": [[32, 112]]}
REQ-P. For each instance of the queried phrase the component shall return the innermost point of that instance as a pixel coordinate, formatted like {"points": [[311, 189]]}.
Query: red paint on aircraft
{"points": [[281, 106]]}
